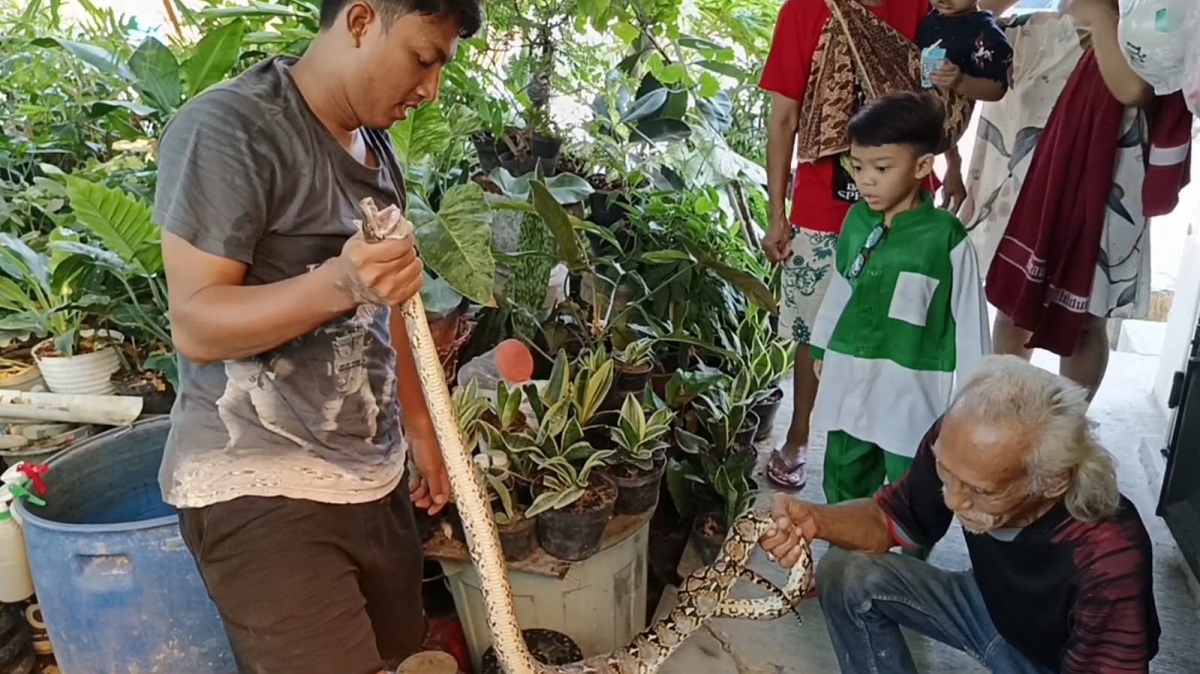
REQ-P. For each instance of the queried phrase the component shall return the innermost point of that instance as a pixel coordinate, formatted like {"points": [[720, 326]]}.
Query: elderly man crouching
{"points": [[1060, 577]]}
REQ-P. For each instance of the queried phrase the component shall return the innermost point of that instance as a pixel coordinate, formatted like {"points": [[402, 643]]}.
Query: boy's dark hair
{"points": [[903, 118], [468, 13]]}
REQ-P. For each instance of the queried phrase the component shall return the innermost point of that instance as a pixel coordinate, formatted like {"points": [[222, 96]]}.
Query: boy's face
{"points": [[887, 174], [955, 7]]}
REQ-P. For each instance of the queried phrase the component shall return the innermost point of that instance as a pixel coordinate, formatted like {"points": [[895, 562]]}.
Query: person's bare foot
{"points": [[787, 470]]}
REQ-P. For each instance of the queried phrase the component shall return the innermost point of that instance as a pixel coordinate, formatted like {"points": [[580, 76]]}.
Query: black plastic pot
{"points": [[632, 380], [766, 411], [153, 401], [544, 150], [426, 525], [456, 525], [575, 533], [517, 539], [488, 151], [708, 535], [599, 430], [605, 208], [748, 432], [637, 494], [546, 646]]}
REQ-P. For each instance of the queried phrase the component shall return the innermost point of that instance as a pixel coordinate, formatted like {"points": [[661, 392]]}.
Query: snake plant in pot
{"points": [[634, 364], [638, 466], [572, 500], [764, 359], [510, 500]]}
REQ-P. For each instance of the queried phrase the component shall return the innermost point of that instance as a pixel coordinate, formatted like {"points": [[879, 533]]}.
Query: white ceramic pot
{"points": [[83, 374]]}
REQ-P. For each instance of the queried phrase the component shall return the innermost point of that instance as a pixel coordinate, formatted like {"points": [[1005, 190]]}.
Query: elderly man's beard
{"points": [[976, 522]]}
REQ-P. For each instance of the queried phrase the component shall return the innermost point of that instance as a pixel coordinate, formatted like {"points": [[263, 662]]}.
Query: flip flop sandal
{"points": [[794, 475]]}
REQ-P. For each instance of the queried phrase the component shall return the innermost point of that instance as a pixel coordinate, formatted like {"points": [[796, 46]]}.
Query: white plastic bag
{"points": [[1156, 36], [1191, 73]]}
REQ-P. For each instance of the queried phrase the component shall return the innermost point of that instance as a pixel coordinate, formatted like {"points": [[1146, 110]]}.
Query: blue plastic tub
{"points": [[119, 591]]}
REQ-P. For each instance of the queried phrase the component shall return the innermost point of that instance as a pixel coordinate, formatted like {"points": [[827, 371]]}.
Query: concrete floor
{"points": [[1128, 422]]}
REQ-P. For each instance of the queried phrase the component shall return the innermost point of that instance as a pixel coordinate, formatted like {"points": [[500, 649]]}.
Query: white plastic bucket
{"points": [[84, 374]]}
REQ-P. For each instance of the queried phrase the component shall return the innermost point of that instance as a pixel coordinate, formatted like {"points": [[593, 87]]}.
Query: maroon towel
{"points": [[1169, 163], [1042, 275]]}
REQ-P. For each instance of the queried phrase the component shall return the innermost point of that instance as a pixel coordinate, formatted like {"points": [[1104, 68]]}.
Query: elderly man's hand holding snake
{"points": [[793, 521]]}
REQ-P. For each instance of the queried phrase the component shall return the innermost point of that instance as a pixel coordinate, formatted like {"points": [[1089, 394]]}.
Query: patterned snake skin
{"points": [[703, 595], [858, 59]]}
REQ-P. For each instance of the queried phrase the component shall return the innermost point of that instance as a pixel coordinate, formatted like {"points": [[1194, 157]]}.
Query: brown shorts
{"points": [[312, 588]]}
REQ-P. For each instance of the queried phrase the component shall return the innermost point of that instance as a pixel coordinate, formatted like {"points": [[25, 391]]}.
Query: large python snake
{"points": [[704, 594]]}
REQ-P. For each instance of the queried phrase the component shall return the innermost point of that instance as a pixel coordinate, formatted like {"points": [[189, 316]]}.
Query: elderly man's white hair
{"points": [[1008, 391]]}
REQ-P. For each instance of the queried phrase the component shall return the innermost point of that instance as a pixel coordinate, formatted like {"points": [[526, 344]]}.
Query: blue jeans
{"points": [[868, 598]]}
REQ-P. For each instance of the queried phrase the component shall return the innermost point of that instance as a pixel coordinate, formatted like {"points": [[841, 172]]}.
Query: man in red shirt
{"points": [[823, 193]]}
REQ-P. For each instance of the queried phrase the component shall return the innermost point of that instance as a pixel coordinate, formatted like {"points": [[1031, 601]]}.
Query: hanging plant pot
{"points": [[749, 430], [546, 646], [637, 490], [708, 535], [88, 372], [157, 395], [575, 533], [766, 411], [518, 538]]}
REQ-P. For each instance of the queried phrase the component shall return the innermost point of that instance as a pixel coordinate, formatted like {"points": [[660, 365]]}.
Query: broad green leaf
{"points": [[568, 188], [559, 222], [627, 33], [122, 223], [425, 133], [101, 108], [755, 290], [666, 256], [709, 86], [722, 68], [661, 130], [22, 263], [438, 297], [456, 242], [158, 76], [214, 56], [672, 74], [97, 57], [699, 43], [645, 106]]}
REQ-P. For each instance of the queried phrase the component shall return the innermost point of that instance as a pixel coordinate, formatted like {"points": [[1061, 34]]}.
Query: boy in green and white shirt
{"points": [[904, 318]]}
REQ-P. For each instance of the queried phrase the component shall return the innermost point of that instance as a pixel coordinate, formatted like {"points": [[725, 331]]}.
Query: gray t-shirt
{"points": [[247, 172]]}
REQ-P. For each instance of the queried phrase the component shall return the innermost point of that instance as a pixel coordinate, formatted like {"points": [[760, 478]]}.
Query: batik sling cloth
{"points": [[858, 59]]}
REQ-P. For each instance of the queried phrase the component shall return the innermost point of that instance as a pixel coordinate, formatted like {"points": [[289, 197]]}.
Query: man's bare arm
{"points": [[214, 317], [853, 525], [782, 125]]}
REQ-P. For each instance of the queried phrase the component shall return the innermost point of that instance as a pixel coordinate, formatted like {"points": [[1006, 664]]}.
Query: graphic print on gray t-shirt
{"points": [[247, 172]]}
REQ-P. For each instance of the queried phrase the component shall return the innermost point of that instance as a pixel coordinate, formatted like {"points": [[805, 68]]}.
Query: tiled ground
{"points": [[1127, 420]]}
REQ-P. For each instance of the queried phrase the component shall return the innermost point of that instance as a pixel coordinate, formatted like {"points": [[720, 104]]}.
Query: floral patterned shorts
{"points": [[805, 278]]}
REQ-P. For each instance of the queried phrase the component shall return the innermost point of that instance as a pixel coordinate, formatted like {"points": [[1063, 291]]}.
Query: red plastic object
{"points": [[514, 361], [446, 635], [34, 472]]}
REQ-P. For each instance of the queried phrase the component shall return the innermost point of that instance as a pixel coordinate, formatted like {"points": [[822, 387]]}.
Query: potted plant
{"points": [[39, 298], [572, 500], [766, 359], [517, 530], [638, 466], [633, 365], [730, 479], [573, 503]]}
